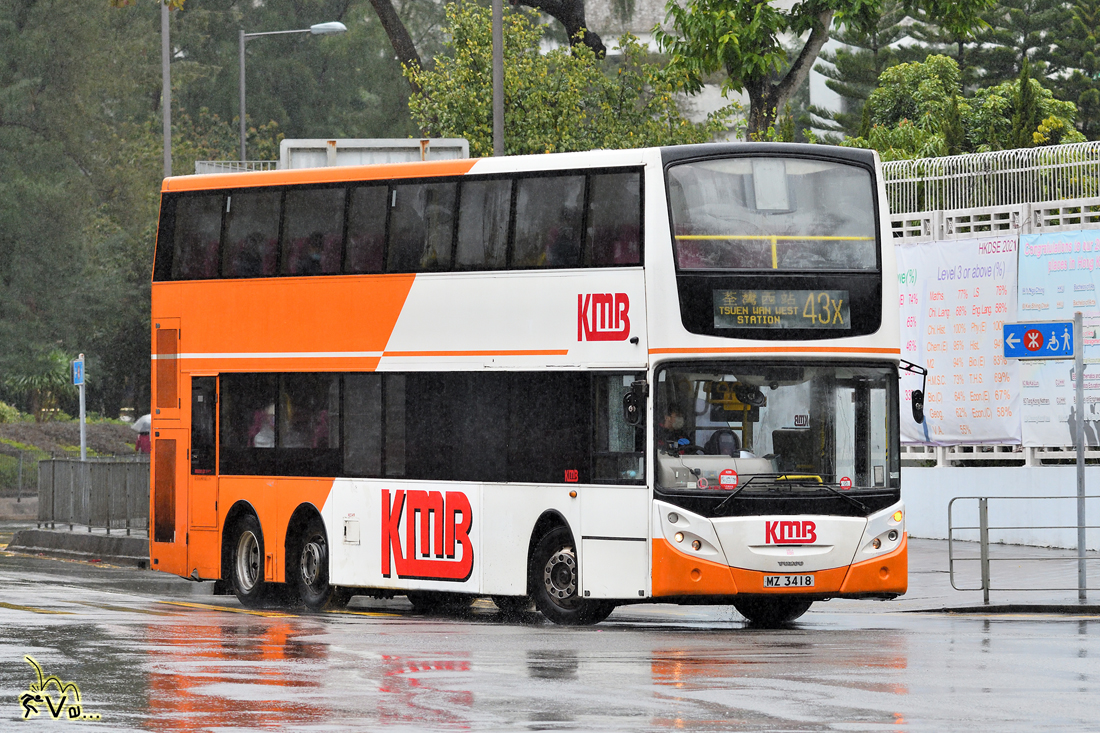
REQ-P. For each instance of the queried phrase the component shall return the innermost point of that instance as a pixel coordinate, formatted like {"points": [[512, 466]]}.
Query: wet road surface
{"points": [[155, 652]]}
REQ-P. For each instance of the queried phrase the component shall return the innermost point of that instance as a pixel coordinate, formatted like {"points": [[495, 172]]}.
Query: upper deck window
{"points": [[758, 213], [584, 218]]}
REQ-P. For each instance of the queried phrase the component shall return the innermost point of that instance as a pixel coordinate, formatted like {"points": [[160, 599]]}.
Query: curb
{"points": [[1010, 608], [118, 550]]}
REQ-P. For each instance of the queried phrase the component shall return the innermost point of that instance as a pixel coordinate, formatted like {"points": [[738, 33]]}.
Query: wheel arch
{"points": [[240, 509], [549, 520], [298, 520]]}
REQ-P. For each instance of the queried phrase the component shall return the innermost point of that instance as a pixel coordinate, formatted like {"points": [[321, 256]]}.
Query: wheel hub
{"points": [[248, 561], [560, 574], [311, 562]]}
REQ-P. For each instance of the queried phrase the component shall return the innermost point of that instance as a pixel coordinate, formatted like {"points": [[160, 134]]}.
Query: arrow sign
{"points": [[1040, 340]]}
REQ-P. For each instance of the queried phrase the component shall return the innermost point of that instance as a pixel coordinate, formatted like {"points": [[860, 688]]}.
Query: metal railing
{"points": [[234, 166], [109, 493], [983, 528], [999, 178]]}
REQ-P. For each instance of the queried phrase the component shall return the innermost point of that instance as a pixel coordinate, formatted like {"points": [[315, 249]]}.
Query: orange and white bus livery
{"points": [[582, 380]]}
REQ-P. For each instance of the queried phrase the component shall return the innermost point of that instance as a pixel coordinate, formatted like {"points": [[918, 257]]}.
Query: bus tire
{"points": [[774, 612], [553, 580], [431, 601], [246, 569], [310, 570]]}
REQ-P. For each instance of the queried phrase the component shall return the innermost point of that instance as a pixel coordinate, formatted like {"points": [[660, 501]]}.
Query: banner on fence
{"points": [[1059, 274], [955, 296]]}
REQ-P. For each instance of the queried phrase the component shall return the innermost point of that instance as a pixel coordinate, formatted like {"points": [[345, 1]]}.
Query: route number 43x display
{"points": [[824, 309]]}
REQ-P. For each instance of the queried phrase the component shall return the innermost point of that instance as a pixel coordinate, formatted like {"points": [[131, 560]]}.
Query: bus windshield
{"points": [[751, 426], [772, 214]]}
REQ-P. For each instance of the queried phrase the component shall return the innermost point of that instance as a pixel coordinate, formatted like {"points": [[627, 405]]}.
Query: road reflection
{"points": [[262, 673]]}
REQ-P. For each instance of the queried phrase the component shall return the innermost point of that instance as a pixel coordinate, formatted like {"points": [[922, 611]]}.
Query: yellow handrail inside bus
{"points": [[774, 239], [799, 477]]}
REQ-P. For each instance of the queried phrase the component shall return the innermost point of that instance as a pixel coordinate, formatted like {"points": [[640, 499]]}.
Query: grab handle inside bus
{"points": [[918, 394]]}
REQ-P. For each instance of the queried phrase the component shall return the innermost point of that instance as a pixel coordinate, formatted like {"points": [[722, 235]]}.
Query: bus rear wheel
{"points": [[247, 566], [770, 613], [310, 571], [554, 581]]}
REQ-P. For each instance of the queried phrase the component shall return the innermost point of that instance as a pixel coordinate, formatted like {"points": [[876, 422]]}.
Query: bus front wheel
{"points": [[554, 582], [311, 570], [247, 568], [770, 613]]}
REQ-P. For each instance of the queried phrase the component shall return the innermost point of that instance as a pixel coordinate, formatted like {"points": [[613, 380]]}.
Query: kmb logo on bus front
{"points": [[790, 533], [603, 317]]}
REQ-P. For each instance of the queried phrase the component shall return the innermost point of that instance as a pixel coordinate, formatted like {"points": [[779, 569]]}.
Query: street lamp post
{"points": [[320, 29]]}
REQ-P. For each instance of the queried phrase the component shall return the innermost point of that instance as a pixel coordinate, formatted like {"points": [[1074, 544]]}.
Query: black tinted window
{"points": [[483, 224], [548, 221], [614, 231], [366, 229], [421, 227], [251, 234], [313, 233], [197, 233]]}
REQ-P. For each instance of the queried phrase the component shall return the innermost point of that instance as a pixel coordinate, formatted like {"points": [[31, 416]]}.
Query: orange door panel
{"points": [[168, 502]]}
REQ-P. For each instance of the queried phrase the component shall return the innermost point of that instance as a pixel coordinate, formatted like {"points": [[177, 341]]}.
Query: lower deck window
{"points": [[539, 427]]}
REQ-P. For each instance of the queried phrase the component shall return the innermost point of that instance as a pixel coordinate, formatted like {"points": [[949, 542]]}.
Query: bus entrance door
{"points": [[202, 494]]}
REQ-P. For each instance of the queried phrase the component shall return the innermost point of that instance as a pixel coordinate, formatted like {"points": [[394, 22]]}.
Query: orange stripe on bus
{"points": [[283, 364], [504, 352], [416, 169], [285, 316], [778, 349]]}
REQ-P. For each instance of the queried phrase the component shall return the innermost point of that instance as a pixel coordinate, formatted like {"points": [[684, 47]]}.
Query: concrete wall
{"points": [[927, 492]]}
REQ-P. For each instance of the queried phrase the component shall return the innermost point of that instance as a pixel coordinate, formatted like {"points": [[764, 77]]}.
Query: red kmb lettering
{"points": [[445, 522], [603, 317], [790, 533]]}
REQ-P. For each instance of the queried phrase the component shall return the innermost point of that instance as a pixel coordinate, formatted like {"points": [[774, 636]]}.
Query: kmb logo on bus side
{"points": [[790, 533], [603, 317], [450, 528]]}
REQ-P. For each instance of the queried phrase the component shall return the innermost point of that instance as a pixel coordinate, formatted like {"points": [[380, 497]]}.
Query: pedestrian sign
{"points": [[78, 372], [1041, 340]]}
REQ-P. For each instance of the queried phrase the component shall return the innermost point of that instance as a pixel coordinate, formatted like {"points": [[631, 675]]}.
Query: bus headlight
{"points": [[891, 535], [679, 537]]}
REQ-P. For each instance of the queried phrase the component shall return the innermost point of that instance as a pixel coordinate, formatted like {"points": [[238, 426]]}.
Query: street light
{"points": [[320, 29]]}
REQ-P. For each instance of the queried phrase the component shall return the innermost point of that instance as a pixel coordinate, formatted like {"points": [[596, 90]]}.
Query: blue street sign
{"points": [[78, 372], [1042, 340]]}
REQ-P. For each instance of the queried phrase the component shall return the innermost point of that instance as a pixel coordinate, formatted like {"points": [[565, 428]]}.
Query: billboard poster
{"points": [[955, 297], [1059, 275]]}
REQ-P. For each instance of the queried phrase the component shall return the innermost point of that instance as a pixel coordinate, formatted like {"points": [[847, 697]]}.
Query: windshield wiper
{"points": [[776, 476]]}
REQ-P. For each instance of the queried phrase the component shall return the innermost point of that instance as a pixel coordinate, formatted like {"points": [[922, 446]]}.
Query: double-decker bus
{"points": [[582, 380]]}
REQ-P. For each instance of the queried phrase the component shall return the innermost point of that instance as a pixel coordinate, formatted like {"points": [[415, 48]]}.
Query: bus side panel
{"points": [[274, 501], [511, 512], [408, 534]]}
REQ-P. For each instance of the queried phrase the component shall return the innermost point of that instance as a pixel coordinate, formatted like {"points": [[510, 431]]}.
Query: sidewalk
{"points": [[929, 578]]}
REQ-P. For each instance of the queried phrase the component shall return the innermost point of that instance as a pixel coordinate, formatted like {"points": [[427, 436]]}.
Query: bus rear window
{"points": [[772, 214]]}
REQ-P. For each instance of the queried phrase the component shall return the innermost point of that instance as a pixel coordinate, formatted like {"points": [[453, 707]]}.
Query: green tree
{"points": [[42, 379], [562, 100], [919, 111], [1016, 30], [741, 38], [870, 47], [1076, 52]]}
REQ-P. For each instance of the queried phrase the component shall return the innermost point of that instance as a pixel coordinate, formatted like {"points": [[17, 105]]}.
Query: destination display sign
{"points": [[812, 309]]}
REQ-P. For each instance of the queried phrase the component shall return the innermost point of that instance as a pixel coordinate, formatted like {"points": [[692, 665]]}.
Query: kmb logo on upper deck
{"points": [[790, 533], [442, 525], [603, 317]]}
